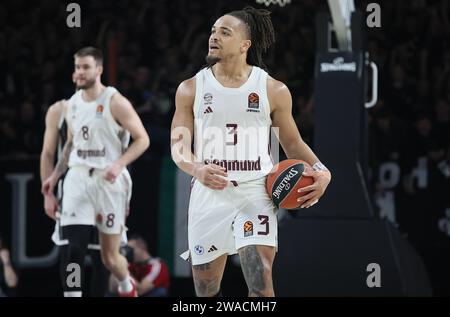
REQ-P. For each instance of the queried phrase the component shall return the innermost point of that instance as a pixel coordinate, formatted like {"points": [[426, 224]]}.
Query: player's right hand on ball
{"points": [[50, 205], [212, 176]]}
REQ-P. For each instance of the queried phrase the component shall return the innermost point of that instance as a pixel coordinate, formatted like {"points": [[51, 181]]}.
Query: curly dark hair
{"points": [[259, 30]]}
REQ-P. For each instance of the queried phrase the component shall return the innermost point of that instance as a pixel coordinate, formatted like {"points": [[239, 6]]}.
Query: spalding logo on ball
{"points": [[285, 180]]}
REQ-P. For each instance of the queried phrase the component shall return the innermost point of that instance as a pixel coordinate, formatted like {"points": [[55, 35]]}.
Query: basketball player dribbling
{"points": [[229, 210], [100, 121]]}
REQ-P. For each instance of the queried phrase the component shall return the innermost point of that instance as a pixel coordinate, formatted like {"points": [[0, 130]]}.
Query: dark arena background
{"points": [[370, 82]]}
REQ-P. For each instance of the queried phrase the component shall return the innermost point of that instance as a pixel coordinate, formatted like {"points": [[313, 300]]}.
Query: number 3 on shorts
{"points": [[264, 221]]}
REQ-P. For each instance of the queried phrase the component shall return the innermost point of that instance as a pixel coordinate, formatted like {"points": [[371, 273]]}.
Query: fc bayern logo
{"points": [[199, 249]]}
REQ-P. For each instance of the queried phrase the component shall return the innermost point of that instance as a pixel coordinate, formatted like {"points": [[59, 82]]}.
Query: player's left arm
{"points": [[124, 113], [293, 145]]}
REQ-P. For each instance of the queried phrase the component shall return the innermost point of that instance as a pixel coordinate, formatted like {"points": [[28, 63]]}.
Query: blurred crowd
{"points": [[409, 133], [154, 56], [411, 49], [162, 42], [411, 119]]}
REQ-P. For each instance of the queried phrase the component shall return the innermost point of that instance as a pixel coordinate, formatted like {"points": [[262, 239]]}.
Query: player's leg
{"points": [[100, 275], [63, 265], [111, 205], [111, 257], [256, 263], [73, 258], [255, 232], [211, 215], [208, 276], [62, 252], [115, 262], [76, 221]]}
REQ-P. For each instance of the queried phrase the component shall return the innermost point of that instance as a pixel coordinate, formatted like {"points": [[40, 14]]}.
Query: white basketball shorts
{"points": [[223, 221], [89, 199]]}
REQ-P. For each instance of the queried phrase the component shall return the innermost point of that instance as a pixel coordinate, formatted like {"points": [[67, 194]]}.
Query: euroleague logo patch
{"points": [[248, 229], [253, 102], [99, 111]]}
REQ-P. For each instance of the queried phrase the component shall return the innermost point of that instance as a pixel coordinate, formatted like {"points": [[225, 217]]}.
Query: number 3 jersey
{"points": [[98, 140], [232, 125]]}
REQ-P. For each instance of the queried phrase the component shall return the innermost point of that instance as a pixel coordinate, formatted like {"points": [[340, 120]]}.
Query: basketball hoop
{"points": [[267, 3]]}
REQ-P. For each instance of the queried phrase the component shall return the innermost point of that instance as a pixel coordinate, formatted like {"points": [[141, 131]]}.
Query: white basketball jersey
{"points": [[232, 125], [98, 140]]}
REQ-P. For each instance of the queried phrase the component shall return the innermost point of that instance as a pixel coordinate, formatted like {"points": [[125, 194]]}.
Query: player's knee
{"points": [[206, 287]]}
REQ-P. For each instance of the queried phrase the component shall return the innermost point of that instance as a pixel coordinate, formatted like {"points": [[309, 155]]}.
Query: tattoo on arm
{"points": [[253, 270], [62, 165]]}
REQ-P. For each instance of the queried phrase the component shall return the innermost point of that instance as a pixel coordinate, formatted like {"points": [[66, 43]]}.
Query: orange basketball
{"points": [[284, 180]]}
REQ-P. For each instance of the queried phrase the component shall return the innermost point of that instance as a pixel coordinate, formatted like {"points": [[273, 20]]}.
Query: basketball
{"points": [[284, 180]]}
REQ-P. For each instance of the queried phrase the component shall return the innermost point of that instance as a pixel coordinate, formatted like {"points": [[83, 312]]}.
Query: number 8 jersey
{"points": [[98, 140], [232, 125]]}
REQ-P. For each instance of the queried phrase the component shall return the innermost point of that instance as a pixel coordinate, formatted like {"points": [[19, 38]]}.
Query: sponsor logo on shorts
{"points": [[248, 229], [99, 218], [212, 248], [198, 249]]}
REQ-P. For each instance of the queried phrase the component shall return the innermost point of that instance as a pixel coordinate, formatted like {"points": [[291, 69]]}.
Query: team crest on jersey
{"points": [[99, 111], [208, 98], [248, 229], [253, 102]]}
